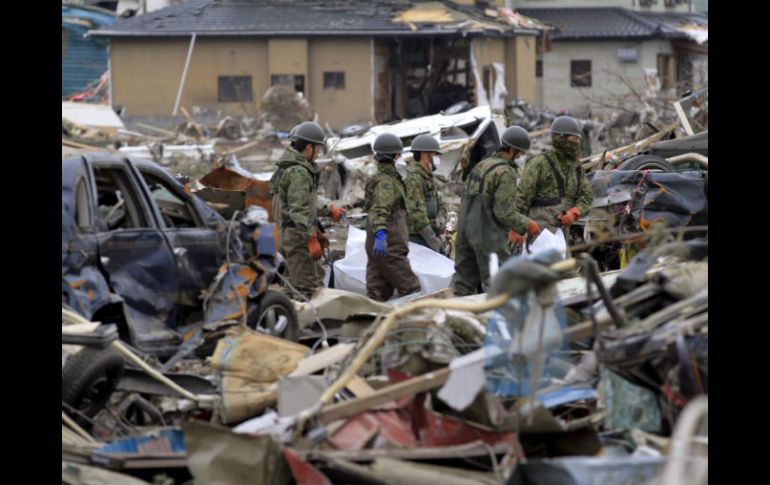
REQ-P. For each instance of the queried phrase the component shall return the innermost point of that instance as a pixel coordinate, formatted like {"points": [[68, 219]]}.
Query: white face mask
{"points": [[436, 162]]}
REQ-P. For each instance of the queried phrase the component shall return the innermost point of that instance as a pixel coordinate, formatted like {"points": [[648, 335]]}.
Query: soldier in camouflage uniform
{"points": [[488, 219], [296, 208], [427, 214], [387, 235], [554, 189]]}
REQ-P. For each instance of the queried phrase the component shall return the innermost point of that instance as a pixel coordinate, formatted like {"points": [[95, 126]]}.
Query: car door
{"points": [[195, 236], [135, 255]]}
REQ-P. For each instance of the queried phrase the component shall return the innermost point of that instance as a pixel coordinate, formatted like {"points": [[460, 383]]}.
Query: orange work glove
{"points": [[515, 238], [336, 212], [322, 239], [571, 216], [533, 228], [315, 248]]}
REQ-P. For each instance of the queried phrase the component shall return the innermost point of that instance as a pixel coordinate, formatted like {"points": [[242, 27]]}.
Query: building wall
{"points": [[605, 67], [339, 107], [520, 56], [83, 60], [488, 51], [146, 73], [288, 56]]}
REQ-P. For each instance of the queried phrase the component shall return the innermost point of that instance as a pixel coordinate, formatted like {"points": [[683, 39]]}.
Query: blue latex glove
{"points": [[380, 242]]}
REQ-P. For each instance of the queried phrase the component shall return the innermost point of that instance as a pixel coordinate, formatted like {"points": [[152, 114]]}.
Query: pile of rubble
{"points": [[567, 368], [192, 147], [548, 373]]}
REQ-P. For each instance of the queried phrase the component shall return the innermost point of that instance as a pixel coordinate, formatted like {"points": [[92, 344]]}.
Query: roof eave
{"points": [[604, 37], [315, 33]]}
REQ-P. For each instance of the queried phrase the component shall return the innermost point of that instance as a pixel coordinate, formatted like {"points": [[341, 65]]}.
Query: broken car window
{"points": [[82, 212], [175, 210], [117, 202]]}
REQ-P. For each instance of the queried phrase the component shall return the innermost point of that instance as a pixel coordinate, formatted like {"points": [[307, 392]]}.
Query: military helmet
{"points": [[516, 137], [565, 125], [425, 143], [388, 144], [308, 131]]}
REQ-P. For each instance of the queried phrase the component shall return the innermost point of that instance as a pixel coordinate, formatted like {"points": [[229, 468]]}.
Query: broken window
{"points": [[296, 81], [176, 212], [118, 206], [82, 211], [580, 74], [235, 89], [666, 71], [334, 80]]}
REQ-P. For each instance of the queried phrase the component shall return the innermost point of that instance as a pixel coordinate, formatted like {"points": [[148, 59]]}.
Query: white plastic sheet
{"points": [[548, 240], [433, 270]]}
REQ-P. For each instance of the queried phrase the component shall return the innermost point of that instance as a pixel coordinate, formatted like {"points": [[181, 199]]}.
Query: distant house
{"points": [[353, 60], [83, 59], [597, 53]]}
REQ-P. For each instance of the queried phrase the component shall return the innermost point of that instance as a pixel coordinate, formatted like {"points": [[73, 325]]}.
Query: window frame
{"points": [[572, 74], [337, 78], [135, 203], [149, 175], [223, 79], [298, 81]]}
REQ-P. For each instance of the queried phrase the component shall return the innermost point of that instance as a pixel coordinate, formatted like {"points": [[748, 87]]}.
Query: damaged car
{"points": [[140, 252]]}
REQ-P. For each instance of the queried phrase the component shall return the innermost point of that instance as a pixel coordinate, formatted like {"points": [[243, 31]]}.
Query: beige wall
{"points": [[488, 50], [339, 107], [288, 56], [520, 55], [557, 92], [146, 73]]}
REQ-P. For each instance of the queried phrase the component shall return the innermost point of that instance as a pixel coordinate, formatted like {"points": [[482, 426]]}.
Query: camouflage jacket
{"points": [[423, 201], [500, 188], [385, 194], [538, 182], [293, 186]]}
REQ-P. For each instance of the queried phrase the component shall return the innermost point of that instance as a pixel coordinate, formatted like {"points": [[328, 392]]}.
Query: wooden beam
{"points": [[422, 383], [415, 385]]}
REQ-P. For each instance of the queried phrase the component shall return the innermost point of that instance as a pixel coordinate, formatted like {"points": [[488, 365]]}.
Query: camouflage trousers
{"points": [[305, 274]]}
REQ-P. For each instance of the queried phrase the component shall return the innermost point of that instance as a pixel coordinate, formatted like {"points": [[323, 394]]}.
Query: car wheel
{"points": [[275, 315], [89, 377], [646, 162]]}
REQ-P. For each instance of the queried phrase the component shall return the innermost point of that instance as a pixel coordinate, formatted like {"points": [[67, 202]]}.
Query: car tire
{"points": [[646, 162], [271, 307], [89, 377]]}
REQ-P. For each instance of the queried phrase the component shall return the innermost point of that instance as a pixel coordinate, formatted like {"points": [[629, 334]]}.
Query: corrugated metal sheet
{"points": [[84, 59]]}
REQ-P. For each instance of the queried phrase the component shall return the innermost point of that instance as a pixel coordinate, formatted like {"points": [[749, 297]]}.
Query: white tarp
{"points": [[548, 240], [433, 270], [499, 92], [91, 115]]}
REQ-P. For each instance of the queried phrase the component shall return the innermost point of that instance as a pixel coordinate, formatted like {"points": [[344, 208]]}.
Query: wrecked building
{"points": [[353, 61], [83, 59]]}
